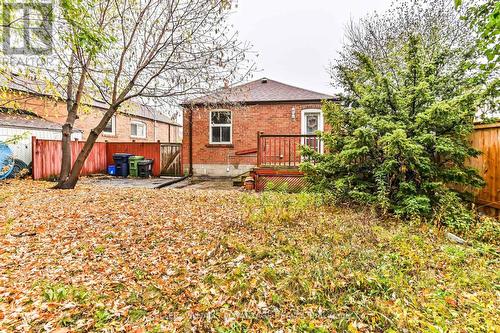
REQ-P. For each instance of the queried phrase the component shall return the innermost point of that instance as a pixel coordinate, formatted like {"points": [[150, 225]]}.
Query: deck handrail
{"points": [[283, 150], [289, 135]]}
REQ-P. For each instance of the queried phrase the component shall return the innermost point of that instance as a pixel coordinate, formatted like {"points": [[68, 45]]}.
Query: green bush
{"points": [[486, 229], [452, 212], [401, 138]]}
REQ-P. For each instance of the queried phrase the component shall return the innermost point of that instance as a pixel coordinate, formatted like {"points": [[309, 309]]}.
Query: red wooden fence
{"points": [[47, 156], [486, 138], [150, 150]]}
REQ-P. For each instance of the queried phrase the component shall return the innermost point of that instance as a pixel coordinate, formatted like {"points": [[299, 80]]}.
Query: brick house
{"points": [[133, 122], [220, 130]]}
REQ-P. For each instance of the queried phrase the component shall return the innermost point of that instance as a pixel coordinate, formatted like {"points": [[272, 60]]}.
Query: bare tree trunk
{"points": [[72, 108], [71, 181], [67, 129]]}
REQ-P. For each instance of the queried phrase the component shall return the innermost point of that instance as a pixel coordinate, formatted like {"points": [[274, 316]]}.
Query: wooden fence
{"points": [[171, 159], [47, 156], [486, 138], [150, 150]]}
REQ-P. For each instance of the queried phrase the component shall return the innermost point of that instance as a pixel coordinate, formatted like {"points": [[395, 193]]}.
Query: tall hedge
{"points": [[400, 140]]}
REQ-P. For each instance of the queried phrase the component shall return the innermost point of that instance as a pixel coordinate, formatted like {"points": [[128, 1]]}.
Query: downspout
{"points": [[190, 142]]}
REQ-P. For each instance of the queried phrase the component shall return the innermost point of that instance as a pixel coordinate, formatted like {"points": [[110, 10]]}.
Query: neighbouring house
{"points": [[24, 125], [134, 122], [220, 135]]}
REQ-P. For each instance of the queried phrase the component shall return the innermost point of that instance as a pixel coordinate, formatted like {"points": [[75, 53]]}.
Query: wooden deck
{"points": [[291, 180], [283, 150], [278, 160]]}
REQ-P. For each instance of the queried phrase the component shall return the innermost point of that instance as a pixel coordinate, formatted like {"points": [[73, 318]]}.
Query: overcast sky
{"points": [[297, 39]]}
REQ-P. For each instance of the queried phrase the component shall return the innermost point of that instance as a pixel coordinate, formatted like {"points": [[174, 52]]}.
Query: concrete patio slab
{"points": [[205, 184], [109, 181]]}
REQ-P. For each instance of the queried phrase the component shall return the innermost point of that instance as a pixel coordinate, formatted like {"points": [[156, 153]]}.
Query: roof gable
{"points": [[259, 91]]}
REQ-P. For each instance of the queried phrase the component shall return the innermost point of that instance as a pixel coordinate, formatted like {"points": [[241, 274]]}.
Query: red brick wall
{"points": [[89, 117], [123, 129], [247, 120]]}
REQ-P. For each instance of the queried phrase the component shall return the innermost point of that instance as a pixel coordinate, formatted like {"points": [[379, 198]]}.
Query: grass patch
{"points": [[61, 293], [347, 270], [230, 262]]}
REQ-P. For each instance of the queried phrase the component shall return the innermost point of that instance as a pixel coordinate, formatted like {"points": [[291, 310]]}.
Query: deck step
{"points": [[240, 179]]}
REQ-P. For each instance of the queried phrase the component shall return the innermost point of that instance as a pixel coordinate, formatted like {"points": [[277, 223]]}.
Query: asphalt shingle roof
{"points": [[23, 119], [37, 87], [260, 91]]}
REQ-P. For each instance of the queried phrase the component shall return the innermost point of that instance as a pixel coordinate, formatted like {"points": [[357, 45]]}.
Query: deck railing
{"points": [[284, 150]]}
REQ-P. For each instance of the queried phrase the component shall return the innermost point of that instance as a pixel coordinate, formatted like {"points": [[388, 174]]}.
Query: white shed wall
{"points": [[22, 149]]}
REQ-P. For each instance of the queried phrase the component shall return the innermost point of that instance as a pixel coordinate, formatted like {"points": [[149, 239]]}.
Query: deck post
{"points": [[258, 148]]}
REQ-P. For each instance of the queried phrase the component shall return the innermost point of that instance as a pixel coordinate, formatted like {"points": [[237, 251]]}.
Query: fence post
{"points": [[181, 156], [258, 149], [33, 164], [158, 165]]}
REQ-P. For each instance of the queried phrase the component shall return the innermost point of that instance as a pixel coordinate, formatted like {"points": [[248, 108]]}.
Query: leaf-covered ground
{"points": [[100, 259]]}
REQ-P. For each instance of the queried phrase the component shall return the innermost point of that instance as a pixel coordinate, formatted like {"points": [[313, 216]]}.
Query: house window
{"points": [[220, 127], [138, 129], [110, 128]]}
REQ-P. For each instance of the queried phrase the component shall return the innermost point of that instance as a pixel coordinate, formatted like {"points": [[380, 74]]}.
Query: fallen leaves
{"points": [[61, 330], [107, 259]]}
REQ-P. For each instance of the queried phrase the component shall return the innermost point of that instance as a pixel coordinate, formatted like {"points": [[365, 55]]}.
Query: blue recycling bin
{"points": [[112, 170], [121, 164]]}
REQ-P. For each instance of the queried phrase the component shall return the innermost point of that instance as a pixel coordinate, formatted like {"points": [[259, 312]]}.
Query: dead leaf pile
{"points": [[107, 259]]}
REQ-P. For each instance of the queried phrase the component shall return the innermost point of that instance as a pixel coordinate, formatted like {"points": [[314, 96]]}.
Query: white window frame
{"points": [[135, 122], [113, 127], [220, 125]]}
